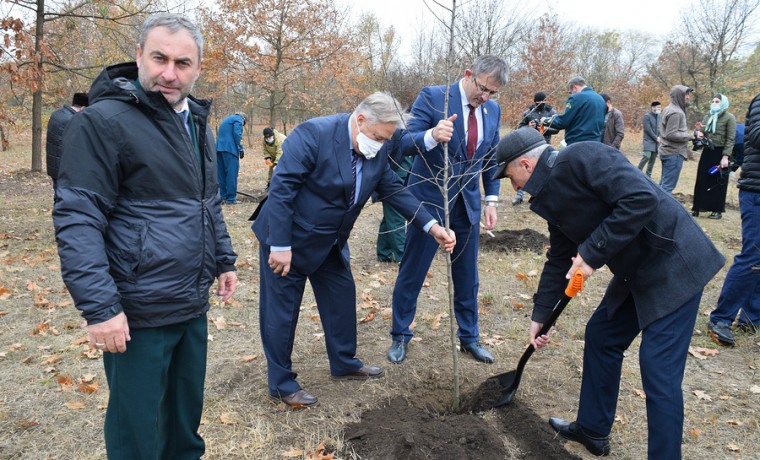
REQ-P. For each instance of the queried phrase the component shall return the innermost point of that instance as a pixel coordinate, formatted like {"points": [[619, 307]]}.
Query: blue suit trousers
{"points": [[418, 255], [228, 165], [279, 306], [662, 360]]}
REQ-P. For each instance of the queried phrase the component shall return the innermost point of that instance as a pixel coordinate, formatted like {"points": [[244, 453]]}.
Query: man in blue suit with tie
{"points": [[470, 129], [329, 169]]}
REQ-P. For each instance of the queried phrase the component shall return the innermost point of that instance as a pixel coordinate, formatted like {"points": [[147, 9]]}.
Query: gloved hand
{"points": [[242, 154]]}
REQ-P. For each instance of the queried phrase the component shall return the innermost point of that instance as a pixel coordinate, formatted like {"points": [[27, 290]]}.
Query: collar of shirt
{"points": [[185, 110]]}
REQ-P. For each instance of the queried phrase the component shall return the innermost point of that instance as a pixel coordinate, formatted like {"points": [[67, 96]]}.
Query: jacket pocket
{"points": [[126, 246]]}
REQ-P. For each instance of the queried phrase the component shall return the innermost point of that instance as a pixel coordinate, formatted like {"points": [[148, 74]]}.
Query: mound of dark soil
{"points": [[514, 240], [400, 431]]}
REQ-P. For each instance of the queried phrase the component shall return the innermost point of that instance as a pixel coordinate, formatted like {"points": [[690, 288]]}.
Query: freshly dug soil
{"points": [[514, 240], [401, 431]]}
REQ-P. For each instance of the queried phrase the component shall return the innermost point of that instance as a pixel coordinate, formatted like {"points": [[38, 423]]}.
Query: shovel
{"points": [[509, 381]]}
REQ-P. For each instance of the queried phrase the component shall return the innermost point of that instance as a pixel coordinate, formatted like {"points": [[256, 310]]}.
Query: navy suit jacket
{"points": [[308, 206], [465, 174]]}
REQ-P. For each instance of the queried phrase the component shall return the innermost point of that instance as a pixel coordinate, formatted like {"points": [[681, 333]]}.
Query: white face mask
{"points": [[367, 147], [657, 111], [269, 140], [714, 107]]}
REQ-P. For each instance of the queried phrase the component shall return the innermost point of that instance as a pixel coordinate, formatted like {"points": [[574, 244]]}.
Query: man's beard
{"points": [[174, 101]]}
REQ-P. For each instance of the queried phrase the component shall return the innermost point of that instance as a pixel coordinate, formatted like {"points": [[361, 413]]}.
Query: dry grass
{"points": [[43, 416]]}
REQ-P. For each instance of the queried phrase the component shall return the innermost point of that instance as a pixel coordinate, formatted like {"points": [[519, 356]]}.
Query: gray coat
{"points": [[651, 124], [656, 251]]}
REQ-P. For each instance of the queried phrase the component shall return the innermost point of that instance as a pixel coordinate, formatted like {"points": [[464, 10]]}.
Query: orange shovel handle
{"points": [[575, 285]]}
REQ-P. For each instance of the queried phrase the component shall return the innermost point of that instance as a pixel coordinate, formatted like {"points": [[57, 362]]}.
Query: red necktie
{"points": [[472, 132]]}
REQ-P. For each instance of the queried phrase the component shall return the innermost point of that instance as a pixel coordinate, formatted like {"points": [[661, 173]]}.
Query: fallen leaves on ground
{"points": [[702, 395], [734, 448], [80, 341], [754, 389], [641, 393], [319, 453], [695, 432], [249, 358], [370, 316], [52, 360], [227, 419], [75, 405]]}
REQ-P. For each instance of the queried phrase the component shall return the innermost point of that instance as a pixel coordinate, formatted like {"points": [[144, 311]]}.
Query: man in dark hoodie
{"points": [[674, 136], [141, 238]]}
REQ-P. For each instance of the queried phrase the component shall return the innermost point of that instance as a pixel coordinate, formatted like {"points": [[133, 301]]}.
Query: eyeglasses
{"points": [[493, 94]]}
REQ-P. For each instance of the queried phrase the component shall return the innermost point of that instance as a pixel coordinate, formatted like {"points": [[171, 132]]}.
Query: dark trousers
{"points": [[279, 304], [418, 255], [391, 235], [662, 360], [741, 289], [156, 393]]}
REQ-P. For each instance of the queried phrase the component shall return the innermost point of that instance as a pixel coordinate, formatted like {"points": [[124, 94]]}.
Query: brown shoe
{"points": [[298, 400], [364, 373]]}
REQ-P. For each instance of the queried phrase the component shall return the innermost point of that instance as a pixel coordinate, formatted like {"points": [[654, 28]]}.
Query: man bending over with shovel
{"points": [[661, 261]]}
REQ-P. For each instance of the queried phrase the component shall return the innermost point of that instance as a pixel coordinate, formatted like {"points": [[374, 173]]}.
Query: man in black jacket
{"points": [[661, 260], [141, 238], [741, 288], [59, 119], [532, 117]]}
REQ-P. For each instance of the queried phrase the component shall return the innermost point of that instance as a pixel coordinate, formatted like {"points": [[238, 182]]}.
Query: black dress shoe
{"points": [[477, 350], [363, 373], [714, 215], [298, 400], [597, 445], [397, 351], [721, 333]]}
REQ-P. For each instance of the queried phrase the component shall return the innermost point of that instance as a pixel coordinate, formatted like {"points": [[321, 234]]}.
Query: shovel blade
{"points": [[509, 382]]}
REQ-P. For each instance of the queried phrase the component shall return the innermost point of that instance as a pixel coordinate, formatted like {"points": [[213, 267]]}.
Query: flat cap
{"points": [[515, 144]]}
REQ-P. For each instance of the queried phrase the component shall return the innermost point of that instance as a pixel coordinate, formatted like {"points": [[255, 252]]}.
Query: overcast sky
{"points": [[652, 16]]}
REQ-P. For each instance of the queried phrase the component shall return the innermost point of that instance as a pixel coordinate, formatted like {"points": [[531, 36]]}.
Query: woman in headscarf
{"points": [[719, 130]]}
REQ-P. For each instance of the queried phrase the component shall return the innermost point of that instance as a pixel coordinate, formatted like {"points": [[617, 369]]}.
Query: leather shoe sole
{"points": [[599, 446], [364, 373], [301, 399]]}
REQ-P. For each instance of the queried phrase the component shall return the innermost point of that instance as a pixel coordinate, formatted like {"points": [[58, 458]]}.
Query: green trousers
{"points": [[391, 235], [156, 393]]}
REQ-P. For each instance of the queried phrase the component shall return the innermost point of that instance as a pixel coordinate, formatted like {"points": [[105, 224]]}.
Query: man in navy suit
{"points": [[469, 132], [329, 169]]}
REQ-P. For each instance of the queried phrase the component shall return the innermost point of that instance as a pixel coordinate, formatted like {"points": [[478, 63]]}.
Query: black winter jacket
{"points": [[656, 251], [536, 112], [54, 139], [750, 176], [139, 224]]}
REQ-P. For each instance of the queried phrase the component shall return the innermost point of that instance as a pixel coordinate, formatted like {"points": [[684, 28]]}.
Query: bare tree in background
{"points": [[490, 27], [41, 57], [710, 34]]}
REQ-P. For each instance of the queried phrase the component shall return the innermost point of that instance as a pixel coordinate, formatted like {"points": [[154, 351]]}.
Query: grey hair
{"points": [[533, 154], [381, 107], [576, 81], [174, 23], [493, 66]]}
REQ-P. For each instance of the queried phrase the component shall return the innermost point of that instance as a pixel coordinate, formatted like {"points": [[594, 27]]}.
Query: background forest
{"points": [[284, 61]]}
